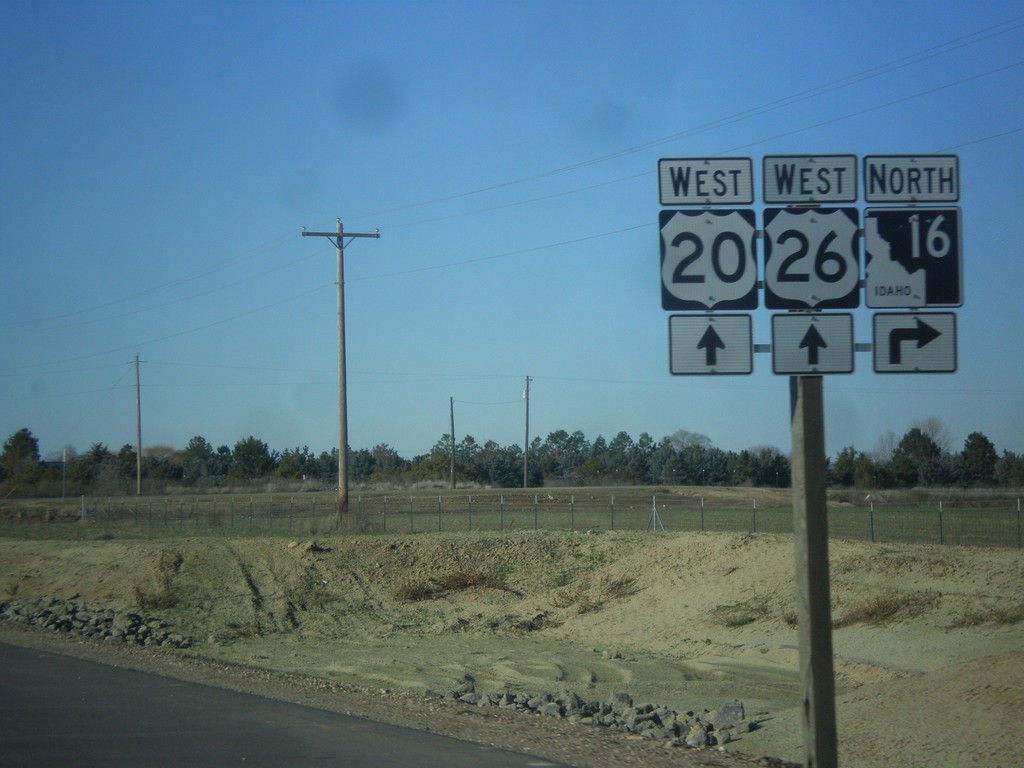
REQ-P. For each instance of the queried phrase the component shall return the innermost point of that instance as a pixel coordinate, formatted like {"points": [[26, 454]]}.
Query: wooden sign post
{"points": [[814, 610]]}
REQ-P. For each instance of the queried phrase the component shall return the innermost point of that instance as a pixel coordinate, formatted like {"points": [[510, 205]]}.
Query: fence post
{"points": [[572, 512], [411, 525], [871, 517], [501, 512], [1018, 522], [469, 511], [535, 511], [385, 514], [754, 518], [438, 514], [942, 534], [702, 514], [613, 512]]}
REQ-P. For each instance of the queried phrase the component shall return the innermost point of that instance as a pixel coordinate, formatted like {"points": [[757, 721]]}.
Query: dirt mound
{"points": [[684, 620]]}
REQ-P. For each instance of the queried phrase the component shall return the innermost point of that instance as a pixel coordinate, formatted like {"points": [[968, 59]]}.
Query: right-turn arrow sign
{"points": [[909, 342]]}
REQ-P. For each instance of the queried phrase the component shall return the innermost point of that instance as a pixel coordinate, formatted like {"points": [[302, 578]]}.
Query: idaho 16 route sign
{"points": [[912, 257]]}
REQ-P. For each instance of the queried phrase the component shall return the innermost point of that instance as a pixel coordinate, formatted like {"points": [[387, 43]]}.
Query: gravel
{"points": [[564, 738]]}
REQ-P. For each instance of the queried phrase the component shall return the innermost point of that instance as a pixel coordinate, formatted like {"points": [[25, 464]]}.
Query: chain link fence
{"points": [[980, 522]]}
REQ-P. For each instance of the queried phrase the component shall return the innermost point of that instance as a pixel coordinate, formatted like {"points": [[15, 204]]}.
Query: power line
{"points": [[175, 335], [960, 42], [1000, 28], [506, 254], [152, 289]]}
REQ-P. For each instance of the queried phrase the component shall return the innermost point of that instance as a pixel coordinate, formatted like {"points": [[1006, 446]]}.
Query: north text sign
{"points": [[911, 178]]}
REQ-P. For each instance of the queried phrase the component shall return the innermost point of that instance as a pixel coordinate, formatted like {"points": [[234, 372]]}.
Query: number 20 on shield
{"points": [[708, 259]]}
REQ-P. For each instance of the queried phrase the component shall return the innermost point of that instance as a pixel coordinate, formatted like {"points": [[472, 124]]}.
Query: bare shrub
{"points": [[617, 588]]}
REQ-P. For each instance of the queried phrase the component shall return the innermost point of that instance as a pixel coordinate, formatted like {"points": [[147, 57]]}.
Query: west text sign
{"points": [[810, 178], [706, 181]]}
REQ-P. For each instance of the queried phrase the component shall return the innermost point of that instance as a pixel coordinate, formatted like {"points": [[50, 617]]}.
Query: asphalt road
{"points": [[60, 711]]}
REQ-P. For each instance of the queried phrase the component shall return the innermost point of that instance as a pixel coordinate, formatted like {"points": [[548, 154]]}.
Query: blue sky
{"points": [[158, 160]]}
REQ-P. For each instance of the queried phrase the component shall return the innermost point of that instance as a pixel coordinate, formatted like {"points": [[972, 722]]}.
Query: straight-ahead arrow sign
{"points": [[812, 342], [710, 342], [713, 344]]}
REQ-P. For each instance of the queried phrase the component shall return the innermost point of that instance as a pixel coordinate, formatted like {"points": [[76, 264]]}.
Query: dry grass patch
{"points": [[457, 581], [886, 606], [741, 613], [991, 613]]}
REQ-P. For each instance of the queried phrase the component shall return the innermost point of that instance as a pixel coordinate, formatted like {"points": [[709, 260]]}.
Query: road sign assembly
{"points": [[912, 260], [811, 263]]}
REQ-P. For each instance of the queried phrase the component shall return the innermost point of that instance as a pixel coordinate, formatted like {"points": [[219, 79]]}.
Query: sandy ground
{"points": [[929, 657]]}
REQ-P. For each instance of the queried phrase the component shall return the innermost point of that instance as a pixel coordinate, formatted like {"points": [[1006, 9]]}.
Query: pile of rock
{"points": [[707, 728], [102, 624]]}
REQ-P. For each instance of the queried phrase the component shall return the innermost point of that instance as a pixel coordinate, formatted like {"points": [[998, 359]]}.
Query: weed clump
{"points": [[456, 581]]}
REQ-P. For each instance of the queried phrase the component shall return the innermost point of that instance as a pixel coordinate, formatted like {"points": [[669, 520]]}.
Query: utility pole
{"points": [[451, 415], [526, 441], [339, 243], [138, 431]]}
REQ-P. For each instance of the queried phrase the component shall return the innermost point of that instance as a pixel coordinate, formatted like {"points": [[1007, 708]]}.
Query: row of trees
{"points": [[920, 458]]}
